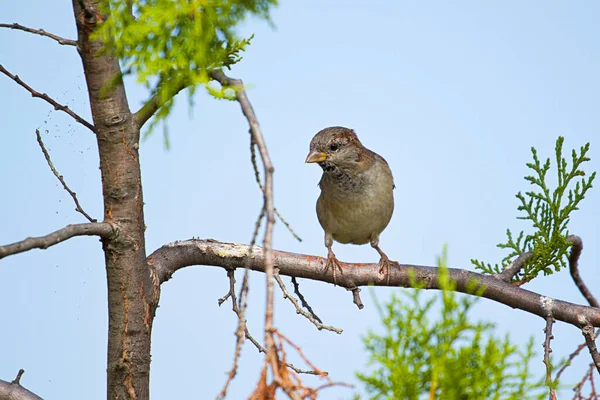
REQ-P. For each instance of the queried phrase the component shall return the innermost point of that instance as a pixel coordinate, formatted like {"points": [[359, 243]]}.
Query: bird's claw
{"points": [[385, 266], [333, 263]]}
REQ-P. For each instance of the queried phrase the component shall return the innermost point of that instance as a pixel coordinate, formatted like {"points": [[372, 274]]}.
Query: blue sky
{"points": [[453, 96]]}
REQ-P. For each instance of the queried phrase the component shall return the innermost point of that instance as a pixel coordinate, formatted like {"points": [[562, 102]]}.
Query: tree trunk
{"points": [[132, 292]]}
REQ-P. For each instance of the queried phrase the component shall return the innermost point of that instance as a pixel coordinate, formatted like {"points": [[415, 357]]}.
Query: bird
{"points": [[357, 193]]}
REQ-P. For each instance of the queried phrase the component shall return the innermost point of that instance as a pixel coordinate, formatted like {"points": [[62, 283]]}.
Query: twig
{"points": [[158, 100], [590, 341], [41, 32], [303, 300], [579, 387], [572, 356], [78, 207], [513, 269], [102, 229], [239, 333], [258, 138], [547, 350], [574, 255], [44, 96], [262, 188], [356, 298], [17, 380], [299, 309]]}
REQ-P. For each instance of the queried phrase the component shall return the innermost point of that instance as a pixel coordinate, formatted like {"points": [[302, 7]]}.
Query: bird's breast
{"points": [[357, 212]]}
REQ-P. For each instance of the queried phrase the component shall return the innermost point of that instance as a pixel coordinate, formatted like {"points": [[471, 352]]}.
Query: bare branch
{"points": [[241, 329], [14, 391], [299, 310], [44, 96], [174, 256], [61, 179], [572, 356], [41, 32], [513, 269], [303, 300], [576, 249], [262, 188], [590, 341], [155, 102], [547, 350], [269, 207], [102, 229]]}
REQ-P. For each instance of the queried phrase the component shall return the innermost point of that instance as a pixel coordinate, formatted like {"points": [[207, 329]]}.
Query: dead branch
{"points": [[44, 96], [303, 300], [269, 207], [102, 229], [299, 310], [14, 391], [177, 255], [41, 32], [576, 249], [78, 207], [262, 188], [590, 341]]}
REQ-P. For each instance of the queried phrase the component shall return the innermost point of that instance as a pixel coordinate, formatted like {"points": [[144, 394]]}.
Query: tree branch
{"points": [[269, 207], [155, 103], [513, 269], [576, 249], [102, 229], [44, 96], [547, 351], [590, 341], [174, 256], [14, 391], [41, 32], [78, 207], [299, 310]]}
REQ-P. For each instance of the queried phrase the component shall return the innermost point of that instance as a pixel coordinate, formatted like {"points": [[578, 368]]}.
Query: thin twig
{"points": [[590, 341], [299, 309], [44, 96], [102, 229], [262, 188], [572, 356], [547, 350], [513, 269], [41, 32], [258, 139], [576, 248], [303, 300], [78, 207], [239, 333]]}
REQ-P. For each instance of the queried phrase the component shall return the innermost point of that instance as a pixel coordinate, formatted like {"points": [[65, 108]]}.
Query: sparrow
{"points": [[357, 199]]}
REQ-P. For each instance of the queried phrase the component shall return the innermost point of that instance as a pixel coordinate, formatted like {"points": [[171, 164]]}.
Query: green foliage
{"points": [[446, 357], [170, 44], [549, 212]]}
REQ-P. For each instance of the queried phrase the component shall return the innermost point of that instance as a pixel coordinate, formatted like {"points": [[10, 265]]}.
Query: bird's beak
{"points": [[316, 156]]}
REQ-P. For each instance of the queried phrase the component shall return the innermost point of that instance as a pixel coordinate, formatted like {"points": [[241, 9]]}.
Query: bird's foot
{"points": [[333, 263], [385, 265]]}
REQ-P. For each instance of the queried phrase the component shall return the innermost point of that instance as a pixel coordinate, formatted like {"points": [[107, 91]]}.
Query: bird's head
{"points": [[336, 147]]}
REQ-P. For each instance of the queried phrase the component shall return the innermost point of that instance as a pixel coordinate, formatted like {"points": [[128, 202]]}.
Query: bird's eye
{"points": [[334, 146]]}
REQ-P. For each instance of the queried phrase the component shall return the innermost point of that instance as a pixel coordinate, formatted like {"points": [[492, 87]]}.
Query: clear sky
{"points": [[453, 96]]}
